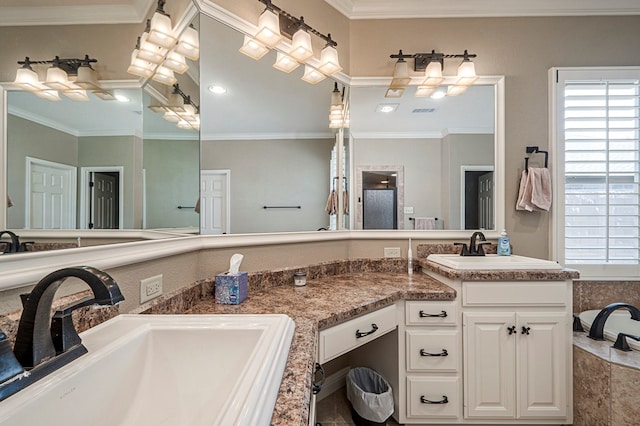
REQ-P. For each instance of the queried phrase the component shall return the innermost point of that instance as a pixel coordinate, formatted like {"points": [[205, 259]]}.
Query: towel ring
{"points": [[535, 150]]}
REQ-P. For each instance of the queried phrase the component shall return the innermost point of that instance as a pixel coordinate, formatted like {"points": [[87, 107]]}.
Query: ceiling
{"points": [[65, 12]]}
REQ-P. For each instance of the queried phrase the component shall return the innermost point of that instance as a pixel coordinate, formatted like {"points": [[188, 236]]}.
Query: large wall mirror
{"points": [[425, 163]]}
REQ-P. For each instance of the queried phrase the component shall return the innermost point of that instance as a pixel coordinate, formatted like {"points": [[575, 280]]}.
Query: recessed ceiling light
{"points": [[438, 94], [122, 98], [217, 90], [386, 108]]}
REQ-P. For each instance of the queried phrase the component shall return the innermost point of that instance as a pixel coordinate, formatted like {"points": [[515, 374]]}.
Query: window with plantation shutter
{"points": [[598, 145]]}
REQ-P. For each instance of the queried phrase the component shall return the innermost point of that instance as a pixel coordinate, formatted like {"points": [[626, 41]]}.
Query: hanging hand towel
{"points": [[345, 201], [425, 223], [540, 187], [332, 203], [524, 193]]}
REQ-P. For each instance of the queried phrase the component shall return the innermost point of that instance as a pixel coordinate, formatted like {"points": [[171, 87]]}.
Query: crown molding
{"points": [[133, 13], [28, 115], [265, 136], [376, 9]]}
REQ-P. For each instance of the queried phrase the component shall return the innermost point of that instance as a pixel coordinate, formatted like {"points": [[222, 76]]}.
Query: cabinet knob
{"points": [[525, 330], [359, 334], [444, 400], [511, 330], [425, 353], [442, 314]]}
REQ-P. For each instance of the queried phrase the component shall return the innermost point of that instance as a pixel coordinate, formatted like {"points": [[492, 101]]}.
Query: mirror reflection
{"points": [[98, 165], [423, 163], [266, 145]]}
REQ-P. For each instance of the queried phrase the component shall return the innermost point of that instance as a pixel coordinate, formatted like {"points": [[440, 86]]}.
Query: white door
{"points": [[214, 202], [542, 387], [51, 195], [489, 373]]}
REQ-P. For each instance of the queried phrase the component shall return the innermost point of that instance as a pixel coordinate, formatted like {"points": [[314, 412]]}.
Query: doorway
{"points": [[476, 200], [379, 199], [102, 197]]}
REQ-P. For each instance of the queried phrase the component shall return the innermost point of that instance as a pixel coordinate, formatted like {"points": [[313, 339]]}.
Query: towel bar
{"points": [[281, 207]]}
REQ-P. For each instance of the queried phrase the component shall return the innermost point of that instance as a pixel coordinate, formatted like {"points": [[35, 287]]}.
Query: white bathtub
{"points": [[618, 322], [164, 370]]}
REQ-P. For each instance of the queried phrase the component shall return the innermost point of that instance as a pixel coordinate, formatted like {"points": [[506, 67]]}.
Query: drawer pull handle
{"points": [[442, 314], [425, 353], [317, 386], [511, 329], [444, 400], [525, 330], [360, 334]]}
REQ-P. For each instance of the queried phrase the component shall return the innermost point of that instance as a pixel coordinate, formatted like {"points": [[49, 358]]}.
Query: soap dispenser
{"points": [[504, 244]]}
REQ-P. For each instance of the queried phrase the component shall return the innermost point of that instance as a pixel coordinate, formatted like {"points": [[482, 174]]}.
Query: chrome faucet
{"points": [[44, 344], [596, 331], [476, 242]]}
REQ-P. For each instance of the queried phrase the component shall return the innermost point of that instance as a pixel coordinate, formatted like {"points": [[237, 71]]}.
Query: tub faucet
{"points": [[596, 331]]}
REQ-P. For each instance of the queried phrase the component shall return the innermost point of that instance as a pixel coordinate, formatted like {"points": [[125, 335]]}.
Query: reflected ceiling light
{"points": [[285, 63], [164, 75], [77, 95], [329, 63], [456, 90], [253, 48], [312, 75], [269, 27], [217, 90], [179, 109], [301, 48], [466, 71], [432, 64], [160, 31], [189, 44], [439, 94], [50, 95], [157, 51], [175, 62], [336, 109], [386, 108], [84, 78], [425, 91], [122, 98]]}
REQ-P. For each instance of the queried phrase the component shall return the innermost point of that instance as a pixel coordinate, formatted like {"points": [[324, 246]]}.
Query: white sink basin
{"points": [[164, 370], [492, 262]]}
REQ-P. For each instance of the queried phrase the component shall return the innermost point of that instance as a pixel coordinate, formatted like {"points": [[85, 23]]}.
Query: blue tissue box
{"points": [[231, 289]]}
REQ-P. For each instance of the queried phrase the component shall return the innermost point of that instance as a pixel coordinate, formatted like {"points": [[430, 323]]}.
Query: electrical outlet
{"points": [[408, 210], [392, 252], [150, 288]]}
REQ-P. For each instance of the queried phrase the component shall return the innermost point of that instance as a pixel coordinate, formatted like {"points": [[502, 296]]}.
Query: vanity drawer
{"points": [[433, 397], [432, 350], [431, 313], [518, 293], [344, 337]]}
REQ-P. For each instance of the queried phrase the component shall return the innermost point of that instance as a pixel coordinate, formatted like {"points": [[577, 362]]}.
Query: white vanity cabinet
{"points": [[430, 362], [517, 351]]}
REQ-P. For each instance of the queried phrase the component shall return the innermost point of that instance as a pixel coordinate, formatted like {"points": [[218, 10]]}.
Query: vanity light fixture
{"points": [[432, 64], [274, 24], [159, 53], [336, 109], [179, 109], [312, 75], [83, 78]]}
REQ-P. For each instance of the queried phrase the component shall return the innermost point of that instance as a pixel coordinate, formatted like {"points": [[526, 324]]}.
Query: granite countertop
{"points": [[322, 303], [500, 275]]}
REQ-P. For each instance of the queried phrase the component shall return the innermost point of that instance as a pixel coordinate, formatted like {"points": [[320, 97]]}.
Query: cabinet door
{"points": [[541, 365], [489, 360]]}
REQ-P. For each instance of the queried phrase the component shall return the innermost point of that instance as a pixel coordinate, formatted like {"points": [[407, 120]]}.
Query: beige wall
{"points": [[283, 172], [522, 49], [26, 138]]}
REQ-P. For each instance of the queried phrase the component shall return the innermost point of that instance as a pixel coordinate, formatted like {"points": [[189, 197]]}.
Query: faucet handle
{"points": [[465, 249], [10, 367], [480, 250]]}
